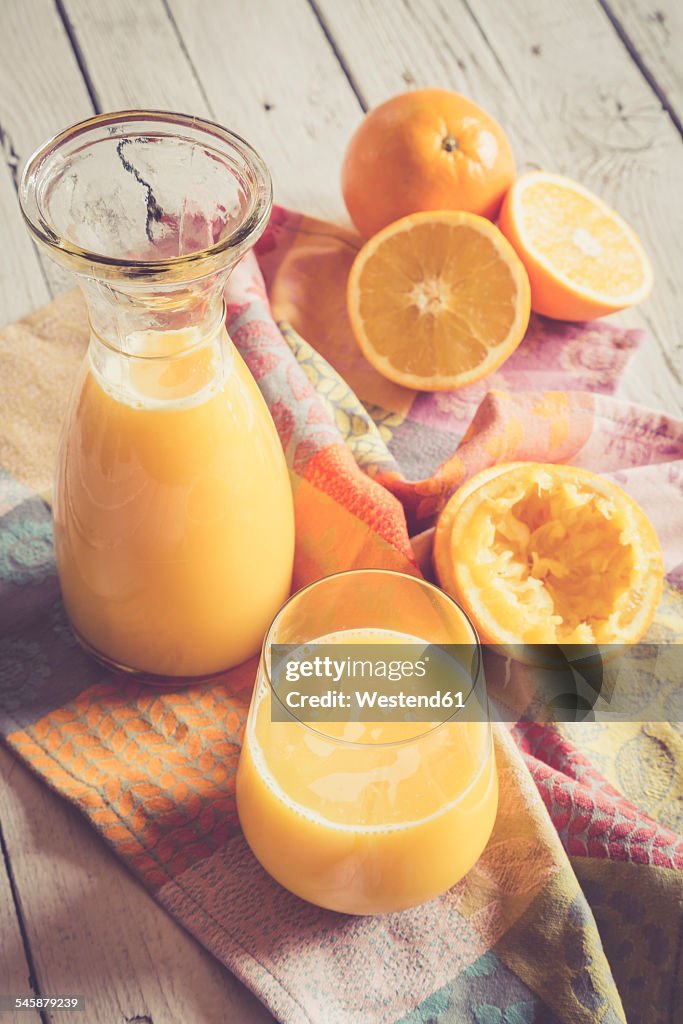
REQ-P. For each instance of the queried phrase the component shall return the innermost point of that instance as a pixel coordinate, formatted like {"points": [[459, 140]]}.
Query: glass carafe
{"points": [[173, 516]]}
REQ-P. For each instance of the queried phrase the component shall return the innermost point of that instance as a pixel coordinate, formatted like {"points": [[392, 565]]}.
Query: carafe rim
{"points": [[197, 263]]}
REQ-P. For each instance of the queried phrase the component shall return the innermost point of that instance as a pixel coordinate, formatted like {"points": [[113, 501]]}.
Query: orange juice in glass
{"points": [[367, 817], [174, 527]]}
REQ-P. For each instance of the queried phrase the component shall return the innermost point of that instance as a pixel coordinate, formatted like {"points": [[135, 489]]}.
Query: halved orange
{"points": [[542, 554], [582, 258], [437, 300]]}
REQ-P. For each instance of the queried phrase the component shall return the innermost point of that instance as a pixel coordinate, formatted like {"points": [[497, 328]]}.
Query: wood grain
{"points": [[94, 931], [133, 56], [41, 87], [269, 72], [653, 29], [22, 284], [41, 91], [14, 968], [571, 99], [116, 54]]}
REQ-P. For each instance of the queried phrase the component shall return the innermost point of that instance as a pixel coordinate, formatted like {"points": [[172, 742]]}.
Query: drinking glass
{"points": [[367, 817]]}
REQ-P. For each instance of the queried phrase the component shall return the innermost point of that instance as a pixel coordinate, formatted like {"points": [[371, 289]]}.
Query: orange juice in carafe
{"points": [[174, 530], [173, 512]]}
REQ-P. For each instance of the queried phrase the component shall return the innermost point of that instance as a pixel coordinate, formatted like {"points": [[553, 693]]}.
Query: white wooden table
{"points": [[592, 88]]}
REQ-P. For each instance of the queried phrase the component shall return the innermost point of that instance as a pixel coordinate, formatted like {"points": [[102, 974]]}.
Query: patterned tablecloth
{"points": [[575, 911]]}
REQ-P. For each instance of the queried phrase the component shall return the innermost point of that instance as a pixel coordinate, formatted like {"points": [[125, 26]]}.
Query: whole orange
{"points": [[428, 149]]}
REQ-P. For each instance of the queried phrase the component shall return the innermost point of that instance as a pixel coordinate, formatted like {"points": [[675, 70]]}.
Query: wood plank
{"points": [[22, 283], [270, 73], [292, 102], [562, 84], [654, 30], [41, 87], [133, 56], [41, 91], [93, 929], [14, 968]]}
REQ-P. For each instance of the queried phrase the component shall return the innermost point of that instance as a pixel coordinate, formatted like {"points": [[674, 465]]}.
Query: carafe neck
{"points": [[134, 319], [146, 357]]}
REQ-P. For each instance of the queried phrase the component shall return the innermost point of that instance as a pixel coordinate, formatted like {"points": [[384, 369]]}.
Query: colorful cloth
{"points": [[574, 913]]}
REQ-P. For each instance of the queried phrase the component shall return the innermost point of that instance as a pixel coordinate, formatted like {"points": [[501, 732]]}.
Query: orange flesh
{"points": [[438, 299], [580, 239], [562, 560], [552, 554], [439, 307]]}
